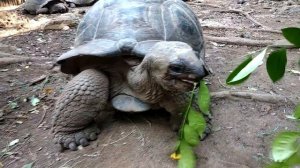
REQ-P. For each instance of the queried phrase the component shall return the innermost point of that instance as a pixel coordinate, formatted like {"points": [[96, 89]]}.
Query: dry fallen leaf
{"points": [[48, 91]]}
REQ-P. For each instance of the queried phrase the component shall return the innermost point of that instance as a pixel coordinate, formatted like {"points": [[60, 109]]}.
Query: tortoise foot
{"points": [[73, 140]]}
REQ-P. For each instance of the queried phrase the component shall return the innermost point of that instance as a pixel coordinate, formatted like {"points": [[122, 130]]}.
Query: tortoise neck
{"points": [[143, 84]]}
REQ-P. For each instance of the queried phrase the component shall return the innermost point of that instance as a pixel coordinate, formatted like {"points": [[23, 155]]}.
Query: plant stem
{"points": [[186, 113]]}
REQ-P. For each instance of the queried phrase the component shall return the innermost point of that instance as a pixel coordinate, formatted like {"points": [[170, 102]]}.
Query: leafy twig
{"points": [[187, 113]]}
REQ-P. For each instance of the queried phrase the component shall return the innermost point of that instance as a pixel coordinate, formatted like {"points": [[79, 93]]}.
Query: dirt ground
{"points": [[242, 129]]}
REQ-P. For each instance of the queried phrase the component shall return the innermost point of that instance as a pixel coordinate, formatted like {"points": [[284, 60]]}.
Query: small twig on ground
{"points": [[15, 117], [103, 146], [269, 98], [43, 117], [238, 41], [64, 165], [13, 161], [140, 132], [45, 81], [37, 80], [222, 83], [236, 11], [18, 59], [119, 139], [96, 154], [246, 14]]}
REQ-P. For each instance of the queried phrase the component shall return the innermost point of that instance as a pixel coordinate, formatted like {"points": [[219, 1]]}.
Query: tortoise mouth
{"points": [[188, 81], [182, 83], [191, 79]]}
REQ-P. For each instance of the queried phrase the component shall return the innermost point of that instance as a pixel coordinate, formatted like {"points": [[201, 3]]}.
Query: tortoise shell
{"points": [[32, 6], [113, 28], [81, 2]]}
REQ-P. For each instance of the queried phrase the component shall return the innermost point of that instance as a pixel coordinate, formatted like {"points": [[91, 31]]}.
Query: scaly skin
{"points": [[83, 98]]}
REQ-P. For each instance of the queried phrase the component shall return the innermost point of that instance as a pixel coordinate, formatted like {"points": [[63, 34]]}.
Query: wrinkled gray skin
{"points": [[131, 56], [35, 7], [75, 3]]}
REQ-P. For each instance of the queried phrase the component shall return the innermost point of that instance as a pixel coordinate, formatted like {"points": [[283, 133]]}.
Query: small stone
{"points": [[80, 147], [19, 122], [241, 1], [66, 28]]}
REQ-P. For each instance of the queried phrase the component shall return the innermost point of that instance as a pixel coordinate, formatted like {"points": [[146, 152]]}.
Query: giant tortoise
{"points": [[36, 7], [129, 56]]}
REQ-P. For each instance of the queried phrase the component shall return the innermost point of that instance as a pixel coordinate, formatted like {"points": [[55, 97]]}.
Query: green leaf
{"points": [[190, 135], [294, 159], [297, 112], [187, 159], [197, 121], [177, 145], [292, 34], [29, 165], [236, 71], [277, 165], [242, 72], [284, 145], [276, 63], [204, 98], [34, 101]]}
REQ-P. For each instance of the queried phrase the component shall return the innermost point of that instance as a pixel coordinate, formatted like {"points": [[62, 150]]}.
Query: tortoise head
{"points": [[175, 66]]}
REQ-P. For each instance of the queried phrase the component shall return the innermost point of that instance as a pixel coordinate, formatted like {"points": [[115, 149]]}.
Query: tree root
{"points": [[18, 59], [209, 5], [239, 41], [241, 29], [263, 97]]}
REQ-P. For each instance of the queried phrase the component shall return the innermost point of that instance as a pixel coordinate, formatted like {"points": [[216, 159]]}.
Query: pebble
{"points": [[241, 1]]}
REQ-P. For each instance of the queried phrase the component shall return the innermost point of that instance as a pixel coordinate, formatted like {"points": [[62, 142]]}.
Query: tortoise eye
{"points": [[176, 68]]}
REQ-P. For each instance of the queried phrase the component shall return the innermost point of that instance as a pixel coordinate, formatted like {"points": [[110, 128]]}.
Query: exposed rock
{"points": [[62, 22]]}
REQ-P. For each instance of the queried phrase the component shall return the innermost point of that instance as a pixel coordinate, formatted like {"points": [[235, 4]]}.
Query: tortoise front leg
{"points": [[77, 108], [42, 11]]}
